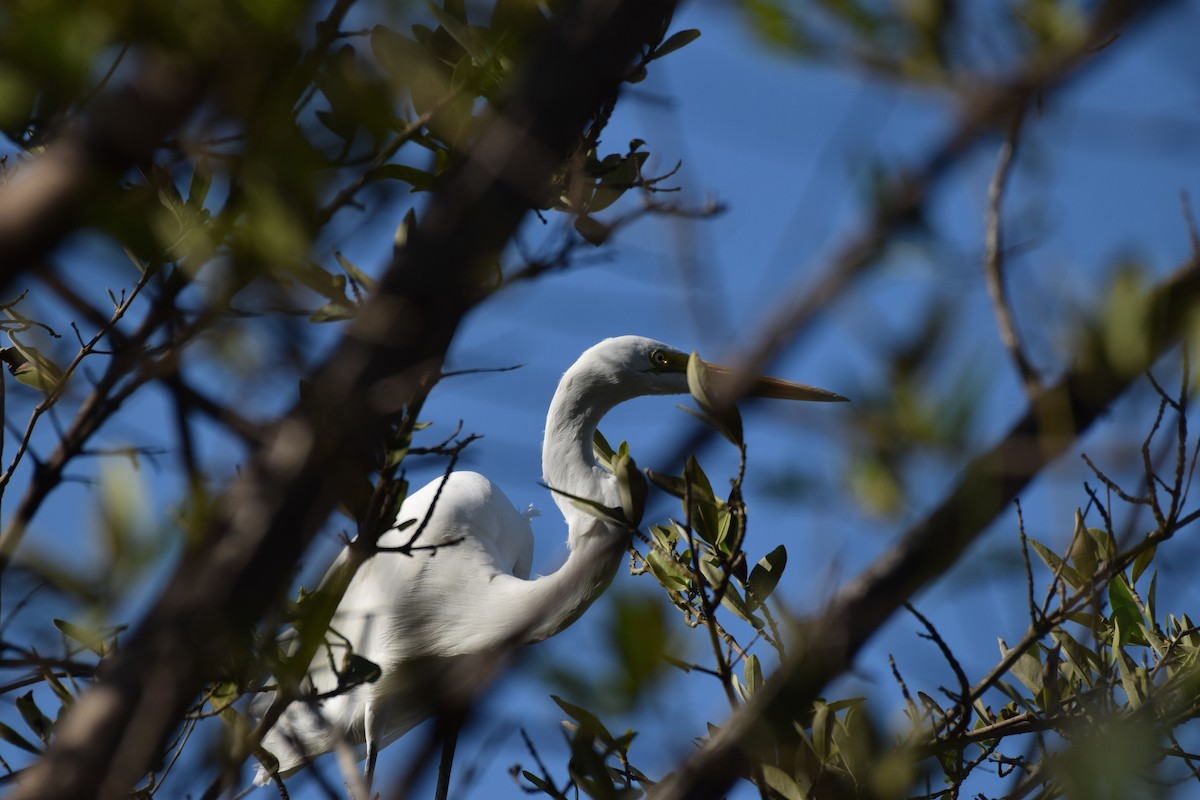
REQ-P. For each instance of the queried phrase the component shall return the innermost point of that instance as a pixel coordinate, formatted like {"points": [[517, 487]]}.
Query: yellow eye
{"points": [[658, 358]]}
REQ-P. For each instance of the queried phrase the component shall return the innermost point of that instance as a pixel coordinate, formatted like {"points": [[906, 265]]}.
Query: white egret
{"points": [[473, 594]]}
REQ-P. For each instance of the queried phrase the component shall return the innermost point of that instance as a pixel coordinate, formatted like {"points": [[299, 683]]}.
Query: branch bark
{"points": [[386, 361], [46, 198]]}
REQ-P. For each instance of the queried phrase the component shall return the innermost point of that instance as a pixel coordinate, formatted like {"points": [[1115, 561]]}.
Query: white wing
{"points": [[407, 612]]}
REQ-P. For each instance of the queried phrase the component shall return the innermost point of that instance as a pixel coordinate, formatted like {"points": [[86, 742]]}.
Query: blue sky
{"points": [[787, 146]]}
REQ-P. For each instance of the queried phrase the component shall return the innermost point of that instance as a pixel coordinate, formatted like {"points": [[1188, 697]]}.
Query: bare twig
{"points": [[993, 258]]}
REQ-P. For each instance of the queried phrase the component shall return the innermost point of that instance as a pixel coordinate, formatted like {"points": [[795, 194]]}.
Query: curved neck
{"points": [[568, 461]]}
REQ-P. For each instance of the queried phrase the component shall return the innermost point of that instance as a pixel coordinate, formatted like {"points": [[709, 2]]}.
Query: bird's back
{"points": [[407, 613]]}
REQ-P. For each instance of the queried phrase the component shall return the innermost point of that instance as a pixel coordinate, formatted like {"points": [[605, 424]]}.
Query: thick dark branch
{"points": [[386, 361]]}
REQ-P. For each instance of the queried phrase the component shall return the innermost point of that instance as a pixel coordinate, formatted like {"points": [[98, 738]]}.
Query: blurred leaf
{"points": [[782, 784], [676, 41], [461, 33], [633, 488], [358, 670], [38, 722], [722, 416], [638, 634], [418, 179], [876, 487], [91, 639], [592, 230], [223, 694], [333, 312], [539, 783], [364, 280], [30, 367], [17, 740]]}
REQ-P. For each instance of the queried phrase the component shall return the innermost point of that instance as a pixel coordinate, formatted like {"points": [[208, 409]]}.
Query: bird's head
{"points": [[642, 366]]}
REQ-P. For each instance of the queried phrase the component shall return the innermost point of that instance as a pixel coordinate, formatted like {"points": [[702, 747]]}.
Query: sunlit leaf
{"points": [[782, 783], [91, 639], [1056, 564], [1125, 612]]}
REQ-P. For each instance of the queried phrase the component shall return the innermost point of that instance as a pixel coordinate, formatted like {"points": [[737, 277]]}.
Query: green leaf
{"points": [[1150, 598], [1125, 612], [539, 783], [1142, 561], [699, 487], [765, 576], [1056, 564], [363, 279], [602, 450], [223, 694], [633, 488], [676, 41], [782, 783], [1083, 548], [1027, 668], [90, 639], [670, 484], [333, 312], [357, 670], [724, 417], [1080, 660], [669, 573], [752, 672], [1129, 674], [200, 182], [592, 230], [461, 33], [586, 719], [38, 722], [29, 366], [15, 739]]}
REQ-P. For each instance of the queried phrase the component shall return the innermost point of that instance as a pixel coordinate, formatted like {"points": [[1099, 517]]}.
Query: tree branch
{"points": [[387, 360], [1057, 417]]}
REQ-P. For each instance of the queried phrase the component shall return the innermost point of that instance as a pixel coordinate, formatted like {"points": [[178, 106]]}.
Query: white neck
{"points": [[568, 461]]}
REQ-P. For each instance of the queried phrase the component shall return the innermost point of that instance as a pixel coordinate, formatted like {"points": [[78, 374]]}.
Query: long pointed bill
{"points": [[761, 386]]}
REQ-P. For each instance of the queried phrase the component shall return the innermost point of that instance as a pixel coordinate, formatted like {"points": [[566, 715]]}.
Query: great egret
{"points": [[473, 595]]}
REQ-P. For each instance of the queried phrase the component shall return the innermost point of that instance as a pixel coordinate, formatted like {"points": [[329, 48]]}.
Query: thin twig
{"points": [[993, 259]]}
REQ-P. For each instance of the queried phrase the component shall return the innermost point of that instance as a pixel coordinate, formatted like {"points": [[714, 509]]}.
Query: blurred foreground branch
{"points": [[383, 366]]}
